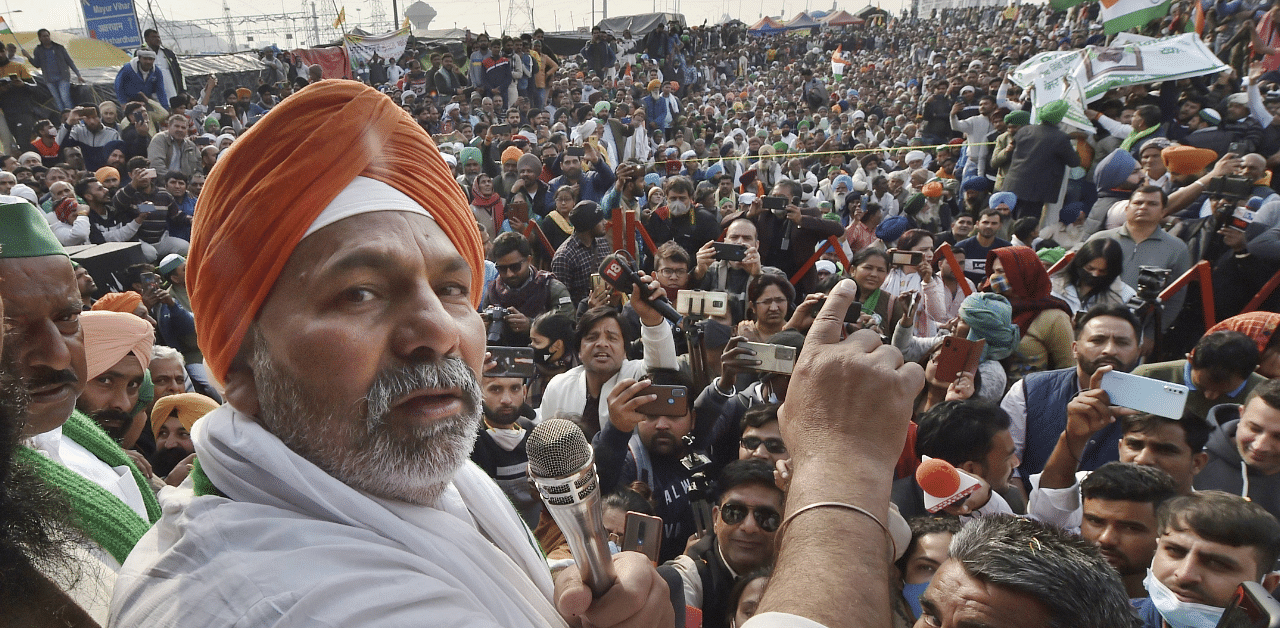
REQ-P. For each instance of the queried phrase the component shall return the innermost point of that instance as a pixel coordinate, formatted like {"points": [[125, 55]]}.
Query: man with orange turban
{"points": [[171, 420], [117, 352], [334, 296]]}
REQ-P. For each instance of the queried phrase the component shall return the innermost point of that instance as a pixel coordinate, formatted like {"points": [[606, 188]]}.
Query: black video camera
{"points": [[1151, 281], [495, 315], [1230, 187]]}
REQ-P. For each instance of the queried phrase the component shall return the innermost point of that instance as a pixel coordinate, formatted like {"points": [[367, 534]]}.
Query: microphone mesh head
{"points": [[557, 448]]}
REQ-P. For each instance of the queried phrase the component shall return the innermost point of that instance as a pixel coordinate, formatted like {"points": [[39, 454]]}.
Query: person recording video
{"points": [[520, 293]]}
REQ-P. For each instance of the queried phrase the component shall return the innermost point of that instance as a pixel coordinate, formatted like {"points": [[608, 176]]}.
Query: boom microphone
{"points": [[618, 273], [562, 467]]}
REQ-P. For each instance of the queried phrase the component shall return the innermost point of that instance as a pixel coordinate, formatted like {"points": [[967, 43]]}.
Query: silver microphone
{"points": [[562, 467]]}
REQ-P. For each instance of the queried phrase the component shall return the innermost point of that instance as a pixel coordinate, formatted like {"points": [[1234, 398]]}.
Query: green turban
{"points": [[913, 205], [603, 105], [25, 232], [470, 153], [780, 147], [1053, 112], [1018, 117], [1051, 255]]}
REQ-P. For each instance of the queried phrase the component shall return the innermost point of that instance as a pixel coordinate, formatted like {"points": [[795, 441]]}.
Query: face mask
{"points": [[542, 356], [913, 592], [1095, 282], [999, 284], [1177, 613], [678, 208]]}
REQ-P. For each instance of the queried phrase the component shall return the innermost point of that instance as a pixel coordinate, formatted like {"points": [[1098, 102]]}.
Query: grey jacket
{"points": [[1225, 471]]}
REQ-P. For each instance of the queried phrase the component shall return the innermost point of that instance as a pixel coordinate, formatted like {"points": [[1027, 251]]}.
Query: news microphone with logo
{"points": [[562, 467], [619, 274]]}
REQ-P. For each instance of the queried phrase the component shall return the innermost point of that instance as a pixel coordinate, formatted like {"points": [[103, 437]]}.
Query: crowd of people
{"points": [[858, 375]]}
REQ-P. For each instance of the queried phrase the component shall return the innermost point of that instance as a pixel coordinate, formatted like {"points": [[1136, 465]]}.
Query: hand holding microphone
{"points": [[617, 272]]}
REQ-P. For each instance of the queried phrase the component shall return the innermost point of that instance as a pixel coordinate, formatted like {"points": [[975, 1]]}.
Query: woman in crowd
{"points": [[880, 310], [1043, 320], [770, 298], [551, 336], [555, 225], [914, 278], [746, 595], [1092, 277], [487, 205], [944, 295]]}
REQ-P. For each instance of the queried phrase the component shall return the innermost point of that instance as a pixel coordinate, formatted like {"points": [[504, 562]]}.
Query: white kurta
{"points": [[296, 547]]}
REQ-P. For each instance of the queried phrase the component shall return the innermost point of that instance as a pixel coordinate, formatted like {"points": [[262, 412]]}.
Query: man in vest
{"points": [[111, 500], [525, 292], [746, 519], [1037, 405]]}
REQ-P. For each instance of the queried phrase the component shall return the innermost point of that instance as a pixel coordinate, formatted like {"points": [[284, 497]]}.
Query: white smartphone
{"points": [[1145, 394]]}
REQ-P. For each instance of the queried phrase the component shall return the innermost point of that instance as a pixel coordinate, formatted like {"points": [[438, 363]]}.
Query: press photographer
{"points": [[519, 293]]}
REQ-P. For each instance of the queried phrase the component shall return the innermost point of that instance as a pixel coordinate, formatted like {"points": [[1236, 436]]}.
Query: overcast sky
{"points": [[27, 15]]}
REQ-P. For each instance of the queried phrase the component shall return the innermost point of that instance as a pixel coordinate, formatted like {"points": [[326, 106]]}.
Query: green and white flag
{"points": [[1083, 76], [1122, 15]]}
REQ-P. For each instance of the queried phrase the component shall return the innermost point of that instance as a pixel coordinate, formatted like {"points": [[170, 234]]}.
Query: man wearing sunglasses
{"points": [[746, 518], [761, 438], [524, 292]]}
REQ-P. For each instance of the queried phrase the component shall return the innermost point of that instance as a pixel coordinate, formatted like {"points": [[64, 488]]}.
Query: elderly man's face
{"points": [[366, 363], [955, 598], [168, 376], [1253, 166], [61, 190], [42, 308]]}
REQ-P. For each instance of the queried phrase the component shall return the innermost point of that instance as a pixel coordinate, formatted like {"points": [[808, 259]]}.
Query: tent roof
{"points": [[868, 11], [802, 20], [841, 18], [639, 25], [87, 53], [766, 25]]}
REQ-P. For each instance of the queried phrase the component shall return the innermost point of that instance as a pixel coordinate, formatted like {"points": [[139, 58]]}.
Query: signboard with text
{"points": [[112, 21]]}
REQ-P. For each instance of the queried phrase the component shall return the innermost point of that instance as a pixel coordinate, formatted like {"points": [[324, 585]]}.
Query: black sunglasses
{"points": [[772, 445], [511, 268], [767, 518]]}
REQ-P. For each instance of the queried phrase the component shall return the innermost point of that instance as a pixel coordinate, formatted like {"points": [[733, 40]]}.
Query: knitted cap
{"points": [[24, 231]]}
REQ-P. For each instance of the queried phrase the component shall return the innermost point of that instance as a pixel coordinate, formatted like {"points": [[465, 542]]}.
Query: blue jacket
{"points": [[54, 62], [1147, 613], [594, 184], [129, 83]]}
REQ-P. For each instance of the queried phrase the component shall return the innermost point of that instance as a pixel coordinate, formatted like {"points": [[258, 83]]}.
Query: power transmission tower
{"points": [[376, 16], [519, 17], [231, 33]]}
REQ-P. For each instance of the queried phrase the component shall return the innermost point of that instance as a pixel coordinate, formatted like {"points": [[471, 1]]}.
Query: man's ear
{"points": [[241, 390]]}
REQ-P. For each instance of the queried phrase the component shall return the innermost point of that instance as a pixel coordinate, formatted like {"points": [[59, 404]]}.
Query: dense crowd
{"points": [[863, 374]]}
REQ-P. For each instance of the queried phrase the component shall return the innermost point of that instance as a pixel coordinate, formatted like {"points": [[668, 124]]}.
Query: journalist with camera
{"points": [[519, 293]]}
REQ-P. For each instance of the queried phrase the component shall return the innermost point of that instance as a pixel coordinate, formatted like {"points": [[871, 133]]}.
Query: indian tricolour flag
{"points": [[1122, 15], [4, 27]]}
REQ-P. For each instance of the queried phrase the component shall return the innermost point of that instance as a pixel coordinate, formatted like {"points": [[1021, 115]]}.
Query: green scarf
{"points": [[1133, 138], [870, 303], [99, 514]]}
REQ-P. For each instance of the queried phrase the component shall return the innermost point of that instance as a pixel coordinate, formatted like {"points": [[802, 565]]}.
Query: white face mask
{"points": [[678, 208], [1177, 613]]}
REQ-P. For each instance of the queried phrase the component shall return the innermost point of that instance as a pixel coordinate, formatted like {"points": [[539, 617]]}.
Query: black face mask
{"points": [[1095, 282], [542, 356]]}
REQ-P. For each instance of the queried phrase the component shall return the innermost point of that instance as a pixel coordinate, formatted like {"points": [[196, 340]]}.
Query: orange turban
{"points": [[932, 189], [1187, 159], [189, 406], [512, 154], [125, 302], [110, 336], [1260, 326], [269, 187]]}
